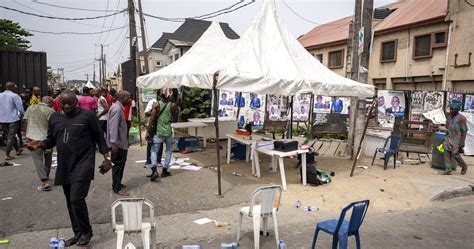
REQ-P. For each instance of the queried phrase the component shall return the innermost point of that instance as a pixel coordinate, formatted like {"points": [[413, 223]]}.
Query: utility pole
{"points": [[87, 77], [133, 59], [142, 26], [93, 75], [104, 70], [101, 60]]}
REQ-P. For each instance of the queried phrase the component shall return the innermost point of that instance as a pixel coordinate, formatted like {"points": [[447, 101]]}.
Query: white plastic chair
{"points": [[264, 209], [133, 221]]}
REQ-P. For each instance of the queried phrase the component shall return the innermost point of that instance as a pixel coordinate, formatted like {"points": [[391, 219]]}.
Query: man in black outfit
{"points": [[75, 132]]}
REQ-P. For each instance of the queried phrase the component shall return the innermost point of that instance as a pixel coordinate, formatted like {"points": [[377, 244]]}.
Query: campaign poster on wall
{"points": [[277, 108], [322, 104], [226, 104], [390, 104], [340, 105], [252, 109], [417, 106], [451, 97], [469, 103], [301, 108], [432, 101]]}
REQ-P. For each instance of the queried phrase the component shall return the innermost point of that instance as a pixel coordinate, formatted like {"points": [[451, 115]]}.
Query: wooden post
{"points": [[359, 148]]}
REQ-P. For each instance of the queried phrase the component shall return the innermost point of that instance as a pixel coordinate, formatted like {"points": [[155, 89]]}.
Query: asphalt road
{"points": [[448, 224], [183, 192]]}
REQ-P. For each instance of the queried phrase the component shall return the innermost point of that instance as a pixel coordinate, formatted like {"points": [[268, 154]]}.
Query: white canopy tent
{"points": [[267, 59]]}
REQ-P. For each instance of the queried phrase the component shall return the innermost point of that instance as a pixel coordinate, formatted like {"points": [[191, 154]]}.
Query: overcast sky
{"points": [[76, 53]]}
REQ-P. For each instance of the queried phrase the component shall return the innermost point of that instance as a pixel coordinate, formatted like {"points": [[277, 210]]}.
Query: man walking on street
{"points": [[11, 109], [86, 101], [36, 121], [161, 115], [117, 139], [36, 97], [102, 108], [75, 132], [455, 137]]}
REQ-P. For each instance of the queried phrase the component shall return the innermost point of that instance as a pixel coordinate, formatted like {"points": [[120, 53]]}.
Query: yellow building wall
{"points": [[325, 52], [405, 65], [462, 43]]}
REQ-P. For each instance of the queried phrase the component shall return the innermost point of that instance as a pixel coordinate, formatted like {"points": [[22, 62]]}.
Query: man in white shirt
{"points": [[11, 108], [148, 110]]}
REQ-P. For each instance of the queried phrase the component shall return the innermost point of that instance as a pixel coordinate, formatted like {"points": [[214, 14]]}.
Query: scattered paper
{"points": [[140, 161], [363, 167], [175, 167], [16, 165], [7, 198], [191, 167], [203, 221]]}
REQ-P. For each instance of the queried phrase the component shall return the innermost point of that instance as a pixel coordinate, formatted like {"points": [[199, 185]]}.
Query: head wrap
{"points": [[456, 104]]}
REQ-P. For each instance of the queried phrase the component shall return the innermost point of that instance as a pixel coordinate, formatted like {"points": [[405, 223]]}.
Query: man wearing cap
{"points": [[456, 125]]}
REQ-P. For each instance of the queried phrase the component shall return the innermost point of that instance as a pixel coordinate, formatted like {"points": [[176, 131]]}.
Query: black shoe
{"points": [[84, 239], [165, 173], [72, 241], [154, 176]]}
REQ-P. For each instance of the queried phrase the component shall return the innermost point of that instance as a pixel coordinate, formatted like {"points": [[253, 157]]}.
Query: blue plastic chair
{"points": [[341, 229], [392, 150]]}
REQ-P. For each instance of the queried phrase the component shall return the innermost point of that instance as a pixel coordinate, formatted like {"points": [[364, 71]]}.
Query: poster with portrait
{"points": [[250, 103], [301, 108], [451, 97], [277, 108], [469, 104], [340, 105], [390, 104], [432, 101], [226, 104], [322, 104]]}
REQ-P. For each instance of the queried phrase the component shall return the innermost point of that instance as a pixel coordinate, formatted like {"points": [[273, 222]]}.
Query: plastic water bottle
{"points": [[53, 243], [308, 208], [232, 245], [61, 243], [235, 173], [192, 247], [298, 204], [283, 245]]}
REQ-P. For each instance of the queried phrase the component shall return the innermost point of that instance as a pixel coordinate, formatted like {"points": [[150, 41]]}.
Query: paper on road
{"points": [[203, 221]]}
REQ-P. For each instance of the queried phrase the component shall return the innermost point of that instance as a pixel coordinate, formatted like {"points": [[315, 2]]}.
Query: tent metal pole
{"points": [[237, 102], [216, 124], [311, 116], [290, 136]]}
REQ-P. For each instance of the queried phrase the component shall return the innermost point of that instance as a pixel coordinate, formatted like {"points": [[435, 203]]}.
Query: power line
{"points": [[81, 67], [300, 16], [42, 12], [74, 33], [103, 22], [229, 11], [113, 21], [63, 18], [69, 8], [219, 12]]}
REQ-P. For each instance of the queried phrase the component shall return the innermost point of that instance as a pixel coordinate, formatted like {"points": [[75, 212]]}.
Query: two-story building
{"points": [[416, 45]]}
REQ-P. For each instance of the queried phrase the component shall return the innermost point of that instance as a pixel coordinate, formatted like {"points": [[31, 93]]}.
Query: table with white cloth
{"points": [[189, 125], [266, 147], [241, 139]]}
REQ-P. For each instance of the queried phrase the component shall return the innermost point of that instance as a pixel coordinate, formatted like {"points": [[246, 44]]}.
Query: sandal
{"points": [[8, 158], [45, 189], [464, 170], [19, 152]]}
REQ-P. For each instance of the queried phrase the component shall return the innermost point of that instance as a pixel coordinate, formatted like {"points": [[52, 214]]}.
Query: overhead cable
{"points": [[63, 18]]}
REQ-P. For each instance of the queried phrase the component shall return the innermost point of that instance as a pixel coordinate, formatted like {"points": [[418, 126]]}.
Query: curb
{"points": [[454, 193]]}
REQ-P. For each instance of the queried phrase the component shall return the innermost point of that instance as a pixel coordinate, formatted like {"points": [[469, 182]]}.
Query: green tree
{"points": [[13, 36], [196, 104]]}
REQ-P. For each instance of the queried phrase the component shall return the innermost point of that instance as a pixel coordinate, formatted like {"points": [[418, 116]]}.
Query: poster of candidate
{"points": [[226, 104], [301, 108], [322, 104], [390, 104], [340, 105], [469, 104], [452, 96], [277, 108], [250, 103]]}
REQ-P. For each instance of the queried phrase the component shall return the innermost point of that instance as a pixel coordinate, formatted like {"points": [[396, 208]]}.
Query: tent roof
{"points": [[267, 59]]}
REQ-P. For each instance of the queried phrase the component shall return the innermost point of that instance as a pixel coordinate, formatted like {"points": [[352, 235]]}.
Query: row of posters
{"points": [[252, 107], [390, 104], [423, 102]]}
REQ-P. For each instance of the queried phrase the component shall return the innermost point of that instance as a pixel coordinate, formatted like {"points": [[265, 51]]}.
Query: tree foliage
{"points": [[13, 36], [196, 104]]}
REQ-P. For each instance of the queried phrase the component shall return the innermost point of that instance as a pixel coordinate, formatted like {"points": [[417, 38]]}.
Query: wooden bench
{"points": [[417, 137]]}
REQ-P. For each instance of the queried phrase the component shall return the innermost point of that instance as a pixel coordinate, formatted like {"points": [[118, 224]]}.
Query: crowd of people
{"points": [[78, 125]]}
